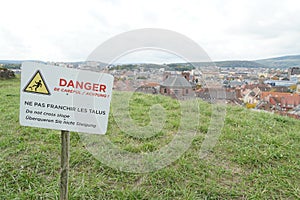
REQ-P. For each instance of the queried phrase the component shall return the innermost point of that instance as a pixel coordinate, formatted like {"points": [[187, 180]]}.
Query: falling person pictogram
{"points": [[37, 85]]}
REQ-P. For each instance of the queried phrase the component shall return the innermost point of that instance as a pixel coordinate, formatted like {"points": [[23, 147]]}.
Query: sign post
{"points": [[64, 99], [64, 164]]}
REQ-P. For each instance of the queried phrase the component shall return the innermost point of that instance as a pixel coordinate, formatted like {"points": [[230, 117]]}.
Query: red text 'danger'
{"points": [[82, 85]]}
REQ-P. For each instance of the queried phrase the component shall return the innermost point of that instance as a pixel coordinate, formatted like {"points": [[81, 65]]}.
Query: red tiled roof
{"points": [[285, 99], [151, 84]]}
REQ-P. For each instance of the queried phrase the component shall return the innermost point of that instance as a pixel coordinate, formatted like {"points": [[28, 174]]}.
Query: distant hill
{"points": [[231, 64], [277, 62], [17, 61], [15, 64], [281, 62]]}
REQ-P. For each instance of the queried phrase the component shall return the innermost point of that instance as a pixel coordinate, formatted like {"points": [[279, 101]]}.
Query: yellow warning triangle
{"points": [[37, 84]]}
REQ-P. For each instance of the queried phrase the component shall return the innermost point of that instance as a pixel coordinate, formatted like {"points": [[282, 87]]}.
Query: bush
{"points": [[6, 73]]}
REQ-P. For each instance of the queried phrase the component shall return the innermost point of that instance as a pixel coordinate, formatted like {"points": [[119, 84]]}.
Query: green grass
{"points": [[257, 156]]}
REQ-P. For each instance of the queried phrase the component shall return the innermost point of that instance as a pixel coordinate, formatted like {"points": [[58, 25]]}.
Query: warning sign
{"points": [[37, 84], [70, 99]]}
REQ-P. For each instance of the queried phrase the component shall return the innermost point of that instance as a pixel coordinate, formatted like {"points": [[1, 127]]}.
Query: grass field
{"points": [[257, 157]]}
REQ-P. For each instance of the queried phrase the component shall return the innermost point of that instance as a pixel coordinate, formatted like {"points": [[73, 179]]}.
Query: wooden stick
{"points": [[64, 163]]}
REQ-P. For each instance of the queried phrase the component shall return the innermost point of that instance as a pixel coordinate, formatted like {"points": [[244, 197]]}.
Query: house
{"points": [[293, 71], [265, 106], [186, 75], [250, 96], [250, 93], [215, 94], [296, 112], [280, 100], [176, 87], [235, 84], [167, 74], [280, 89], [149, 88], [260, 87]]}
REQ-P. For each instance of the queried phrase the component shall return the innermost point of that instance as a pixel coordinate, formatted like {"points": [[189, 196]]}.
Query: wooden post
{"points": [[64, 164]]}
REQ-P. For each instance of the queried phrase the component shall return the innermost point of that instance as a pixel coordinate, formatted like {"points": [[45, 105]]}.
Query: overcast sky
{"points": [[60, 30]]}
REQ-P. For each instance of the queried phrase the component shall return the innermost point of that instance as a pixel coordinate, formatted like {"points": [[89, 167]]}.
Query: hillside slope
{"points": [[257, 157], [281, 62], [232, 63]]}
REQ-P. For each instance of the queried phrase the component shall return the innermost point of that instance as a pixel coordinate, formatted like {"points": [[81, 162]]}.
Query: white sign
{"points": [[64, 98]]}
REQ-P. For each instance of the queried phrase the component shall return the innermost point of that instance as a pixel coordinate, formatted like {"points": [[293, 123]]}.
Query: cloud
{"points": [[70, 30]]}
